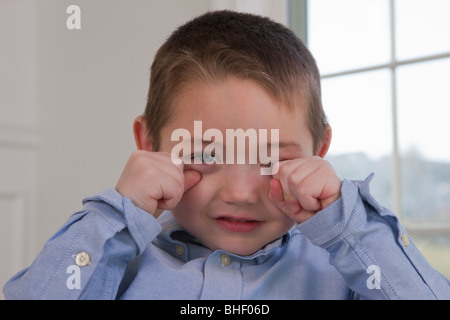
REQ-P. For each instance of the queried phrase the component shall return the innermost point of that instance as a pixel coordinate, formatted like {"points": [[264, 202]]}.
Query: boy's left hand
{"points": [[302, 187]]}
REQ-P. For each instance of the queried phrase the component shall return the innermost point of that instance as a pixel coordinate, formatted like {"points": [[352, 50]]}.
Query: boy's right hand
{"points": [[153, 182]]}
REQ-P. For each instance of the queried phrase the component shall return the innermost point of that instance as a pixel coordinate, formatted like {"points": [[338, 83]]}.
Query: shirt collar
{"points": [[173, 234]]}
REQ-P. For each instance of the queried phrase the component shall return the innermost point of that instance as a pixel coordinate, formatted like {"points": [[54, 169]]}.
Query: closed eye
{"points": [[267, 165], [205, 158], [270, 164]]}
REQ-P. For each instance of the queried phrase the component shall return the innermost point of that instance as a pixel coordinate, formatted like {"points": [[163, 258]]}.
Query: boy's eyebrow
{"points": [[281, 144], [201, 141], [288, 144]]}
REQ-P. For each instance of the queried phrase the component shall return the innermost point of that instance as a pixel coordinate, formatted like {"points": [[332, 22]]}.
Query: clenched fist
{"points": [[302, 187], [153, 182]]}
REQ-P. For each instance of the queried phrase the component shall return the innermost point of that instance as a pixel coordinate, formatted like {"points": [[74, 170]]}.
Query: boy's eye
{"points": [[269, 164], [208, 158]]}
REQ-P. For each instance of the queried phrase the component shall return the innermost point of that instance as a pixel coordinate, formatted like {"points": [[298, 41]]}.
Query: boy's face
{"points": [[229, 208]]}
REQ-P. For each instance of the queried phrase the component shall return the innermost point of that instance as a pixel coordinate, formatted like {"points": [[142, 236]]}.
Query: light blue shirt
{"points": [[353, 249]]}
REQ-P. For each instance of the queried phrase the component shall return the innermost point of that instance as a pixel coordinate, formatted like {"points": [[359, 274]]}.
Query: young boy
{"points": [[228, 231]]}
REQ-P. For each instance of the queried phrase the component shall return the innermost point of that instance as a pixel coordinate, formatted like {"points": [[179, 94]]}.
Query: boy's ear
{"points": [[143, 141], [324, 145]]}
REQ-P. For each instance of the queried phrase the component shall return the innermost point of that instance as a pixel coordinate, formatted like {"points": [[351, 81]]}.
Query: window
{"points": [[385, 68]]}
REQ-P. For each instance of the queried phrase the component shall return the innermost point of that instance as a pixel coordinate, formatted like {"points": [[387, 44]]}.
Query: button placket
{"points": [[222, 277]]}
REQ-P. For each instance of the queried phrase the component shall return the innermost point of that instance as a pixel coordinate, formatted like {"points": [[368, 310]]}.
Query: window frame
{"points": [[298, 22]]}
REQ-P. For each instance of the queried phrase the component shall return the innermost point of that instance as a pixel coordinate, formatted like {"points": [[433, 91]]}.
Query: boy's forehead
{"points": [[232, 104]]}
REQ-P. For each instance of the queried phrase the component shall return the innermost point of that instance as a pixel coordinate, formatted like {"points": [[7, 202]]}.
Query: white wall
{"points": [[92, 83], [68, 99], [19, 138]]}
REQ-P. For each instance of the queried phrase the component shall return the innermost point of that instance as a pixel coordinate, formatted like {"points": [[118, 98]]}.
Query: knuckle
{"points": [[292, 179], [302, 190], [138, 159], [282, 170], [137, 154], [145, 171], [327, 169]]}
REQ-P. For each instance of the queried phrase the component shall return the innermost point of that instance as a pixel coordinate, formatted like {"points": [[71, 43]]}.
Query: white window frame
{"points": [[298, 22]]}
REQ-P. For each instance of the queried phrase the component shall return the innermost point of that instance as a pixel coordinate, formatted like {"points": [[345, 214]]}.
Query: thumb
{"points": [[191, 178]]}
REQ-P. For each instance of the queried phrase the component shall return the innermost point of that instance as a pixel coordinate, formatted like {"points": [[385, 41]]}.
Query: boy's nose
{"points": [[241, 184]]}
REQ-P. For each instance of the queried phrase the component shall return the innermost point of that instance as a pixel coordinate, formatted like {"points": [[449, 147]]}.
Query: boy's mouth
{"points": [[238, 224]]}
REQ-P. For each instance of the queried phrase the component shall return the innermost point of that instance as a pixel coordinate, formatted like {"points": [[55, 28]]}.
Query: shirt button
{"points": [[226, 261], [405, 240], [82, 259], [179, 250]]}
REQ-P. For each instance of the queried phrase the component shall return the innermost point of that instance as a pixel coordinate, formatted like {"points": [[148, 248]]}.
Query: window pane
{"points": [[359, 111], [348, 34], [422, 27], [436, 250], [424, 130]]}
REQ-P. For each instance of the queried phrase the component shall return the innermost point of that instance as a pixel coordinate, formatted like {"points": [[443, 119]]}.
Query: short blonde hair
{"points": [[223, 44]]}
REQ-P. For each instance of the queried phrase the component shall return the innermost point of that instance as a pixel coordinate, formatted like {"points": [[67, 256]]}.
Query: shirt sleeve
{"points": [[371, 249], [88, 256]]}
